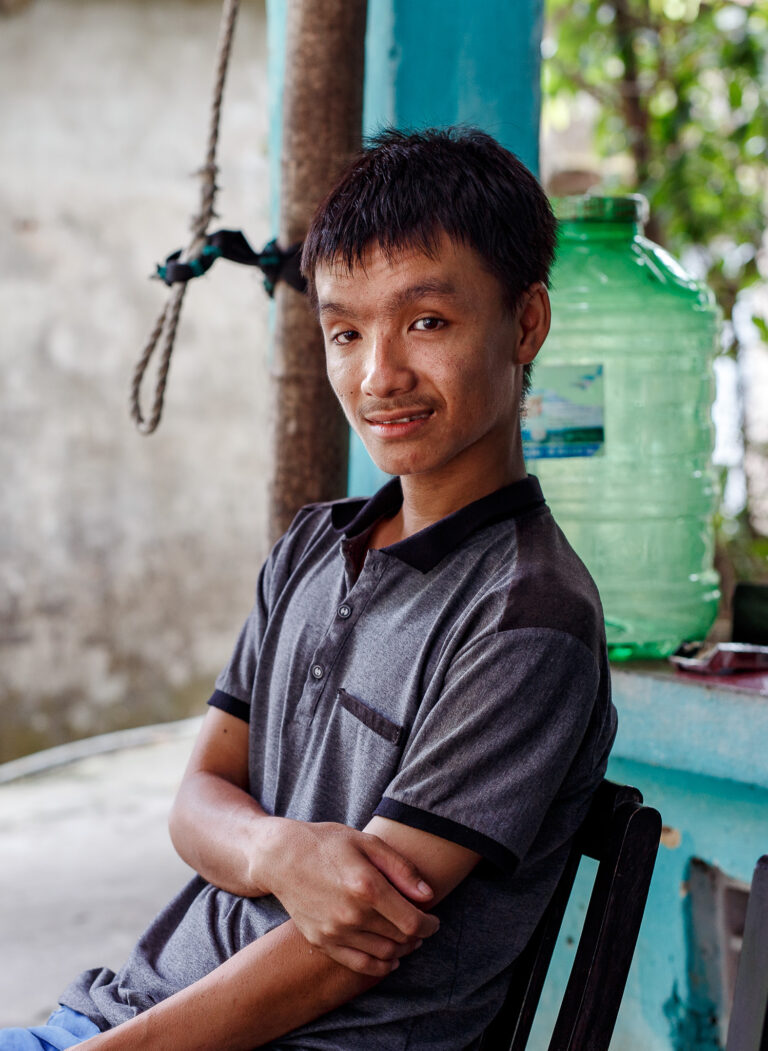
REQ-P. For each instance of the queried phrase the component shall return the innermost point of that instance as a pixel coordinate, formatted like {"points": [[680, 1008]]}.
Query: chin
{"points": [[404, 466], [405, 461]]}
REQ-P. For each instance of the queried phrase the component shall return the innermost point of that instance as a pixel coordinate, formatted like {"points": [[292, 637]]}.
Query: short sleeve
{"points": [[487, 759], [234, 685]]}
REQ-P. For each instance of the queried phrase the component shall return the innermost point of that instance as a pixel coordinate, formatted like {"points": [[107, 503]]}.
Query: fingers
{"points": [[385, 949], [400, 871], [362, 962], [378, 894], [370, 954], [349, 892]]}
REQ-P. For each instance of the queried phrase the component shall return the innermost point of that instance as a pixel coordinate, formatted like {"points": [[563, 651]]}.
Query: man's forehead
{"points": [[415, 269]]}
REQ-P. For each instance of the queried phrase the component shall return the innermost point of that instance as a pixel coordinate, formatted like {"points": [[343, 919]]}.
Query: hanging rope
{"points": [[164, 331]]}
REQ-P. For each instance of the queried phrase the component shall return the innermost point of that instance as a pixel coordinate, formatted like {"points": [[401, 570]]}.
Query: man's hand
{"points": [[348, 889], [348, 892], [277, 982]]}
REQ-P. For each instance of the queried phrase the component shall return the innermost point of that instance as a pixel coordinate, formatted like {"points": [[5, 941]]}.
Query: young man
{"points": [[418, 707]]}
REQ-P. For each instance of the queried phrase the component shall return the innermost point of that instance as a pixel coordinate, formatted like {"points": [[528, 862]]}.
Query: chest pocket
{"points": [[371, 718], [353, 755]]}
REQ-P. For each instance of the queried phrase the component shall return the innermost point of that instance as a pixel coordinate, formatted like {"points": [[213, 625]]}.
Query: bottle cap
{"points": [[628, 208]]}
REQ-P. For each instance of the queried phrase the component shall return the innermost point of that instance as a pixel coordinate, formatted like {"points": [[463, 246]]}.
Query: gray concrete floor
{"points": [[85, 859]]}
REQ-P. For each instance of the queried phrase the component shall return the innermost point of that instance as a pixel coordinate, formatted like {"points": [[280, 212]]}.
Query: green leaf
{"points": [[762, 327]]}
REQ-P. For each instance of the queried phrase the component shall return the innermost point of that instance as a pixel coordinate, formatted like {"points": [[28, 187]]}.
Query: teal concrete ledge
{"points": [[700, 726]]}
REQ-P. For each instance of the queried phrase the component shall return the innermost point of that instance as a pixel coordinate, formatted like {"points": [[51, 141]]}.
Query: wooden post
{"points": [[322, 120]]}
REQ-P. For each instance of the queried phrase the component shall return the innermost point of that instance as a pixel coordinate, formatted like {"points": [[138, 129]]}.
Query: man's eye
{"points": [[342, 338], [428, 324]]}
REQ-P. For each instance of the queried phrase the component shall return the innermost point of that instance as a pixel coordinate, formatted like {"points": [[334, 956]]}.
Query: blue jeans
{"points": [[64, 1028]]}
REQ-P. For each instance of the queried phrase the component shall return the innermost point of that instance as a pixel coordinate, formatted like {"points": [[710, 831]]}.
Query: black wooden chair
{"points": [[748, 1027], [623, 836]]}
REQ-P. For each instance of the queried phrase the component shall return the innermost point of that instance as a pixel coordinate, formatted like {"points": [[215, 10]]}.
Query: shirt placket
{"points": [[322, 679]]}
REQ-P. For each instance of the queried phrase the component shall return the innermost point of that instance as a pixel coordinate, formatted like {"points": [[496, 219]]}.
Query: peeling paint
{"points": [[670, 837], [692, 1027]]}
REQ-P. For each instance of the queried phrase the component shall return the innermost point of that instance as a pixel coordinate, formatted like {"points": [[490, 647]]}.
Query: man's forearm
{"points": [[349, 893], [270, 987], [216, 827]]}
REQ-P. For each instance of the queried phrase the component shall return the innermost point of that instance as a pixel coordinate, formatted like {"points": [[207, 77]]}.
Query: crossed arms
{"points": [[357, 897]]}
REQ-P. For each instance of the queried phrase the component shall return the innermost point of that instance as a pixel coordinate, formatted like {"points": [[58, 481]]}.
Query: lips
{"points": [[379, 421], [399, 424]]}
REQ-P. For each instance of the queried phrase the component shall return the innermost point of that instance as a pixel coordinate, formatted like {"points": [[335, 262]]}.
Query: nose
{"points": [[388, 370]]}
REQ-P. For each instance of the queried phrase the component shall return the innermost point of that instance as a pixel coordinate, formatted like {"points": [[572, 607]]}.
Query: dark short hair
{"points": [[405, 188]]}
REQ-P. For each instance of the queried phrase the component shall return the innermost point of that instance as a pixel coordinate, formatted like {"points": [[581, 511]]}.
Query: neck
{"points": [[429, 497]]}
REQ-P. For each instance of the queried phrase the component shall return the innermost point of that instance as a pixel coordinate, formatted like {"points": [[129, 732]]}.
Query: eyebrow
{"points": [[419, 290]]}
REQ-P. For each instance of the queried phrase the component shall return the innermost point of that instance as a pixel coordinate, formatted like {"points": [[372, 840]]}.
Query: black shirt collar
{"points": [[429, 546]]}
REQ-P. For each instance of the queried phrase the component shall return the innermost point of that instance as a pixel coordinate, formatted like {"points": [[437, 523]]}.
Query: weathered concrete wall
{"points": [[126, 563]]}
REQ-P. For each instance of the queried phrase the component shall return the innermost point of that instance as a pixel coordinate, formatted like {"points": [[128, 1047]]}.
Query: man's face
{"points": [[421, 352]]}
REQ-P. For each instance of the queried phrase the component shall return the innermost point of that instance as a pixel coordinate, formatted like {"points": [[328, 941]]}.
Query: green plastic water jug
{"points": [[618, 426]]}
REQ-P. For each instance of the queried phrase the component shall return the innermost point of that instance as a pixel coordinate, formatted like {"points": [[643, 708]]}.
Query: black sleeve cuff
{"points": [[230, 704], [488, 848]]}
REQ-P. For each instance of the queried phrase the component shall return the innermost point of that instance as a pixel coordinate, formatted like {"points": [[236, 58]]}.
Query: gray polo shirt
{"points": [[457, 682]]}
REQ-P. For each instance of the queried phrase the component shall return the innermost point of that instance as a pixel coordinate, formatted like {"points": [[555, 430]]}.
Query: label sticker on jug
{"points": [[564, 413]]}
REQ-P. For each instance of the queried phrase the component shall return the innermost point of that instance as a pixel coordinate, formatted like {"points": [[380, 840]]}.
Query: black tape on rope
{"points": [[275, 263]]}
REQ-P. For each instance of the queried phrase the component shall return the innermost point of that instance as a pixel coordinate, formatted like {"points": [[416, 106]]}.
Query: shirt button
{"points": [[317, 671], [344, 611]]}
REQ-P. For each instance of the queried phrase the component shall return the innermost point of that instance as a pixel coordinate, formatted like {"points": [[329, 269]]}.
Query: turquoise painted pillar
{"points": [[276, 75], [432, 63]]}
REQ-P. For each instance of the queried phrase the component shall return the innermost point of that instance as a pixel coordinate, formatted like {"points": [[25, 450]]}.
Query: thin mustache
{"points": [[395, 405]]}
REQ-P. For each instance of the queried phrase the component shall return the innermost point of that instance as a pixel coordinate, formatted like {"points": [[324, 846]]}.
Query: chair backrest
{"points": [[623, 836], [748, 1027]]}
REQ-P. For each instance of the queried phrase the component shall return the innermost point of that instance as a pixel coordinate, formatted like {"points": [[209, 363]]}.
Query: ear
{"points": [[534, 318]]}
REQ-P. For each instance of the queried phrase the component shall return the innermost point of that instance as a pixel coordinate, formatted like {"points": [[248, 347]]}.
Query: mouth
{"points": [[394, 421], [400, 424]]}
